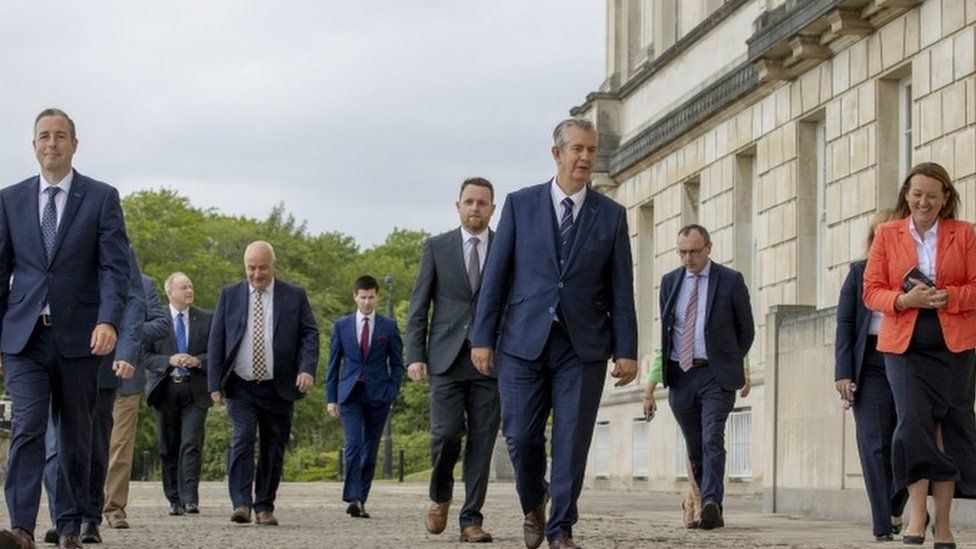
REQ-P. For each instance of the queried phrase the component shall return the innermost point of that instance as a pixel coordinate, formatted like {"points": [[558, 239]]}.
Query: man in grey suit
{"points": [[462, 400]]}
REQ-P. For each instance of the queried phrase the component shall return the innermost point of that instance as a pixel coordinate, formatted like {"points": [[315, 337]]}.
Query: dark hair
{"points": [[366, 283], [56, 112], [937, 172], [478, 182], [686, 230]]}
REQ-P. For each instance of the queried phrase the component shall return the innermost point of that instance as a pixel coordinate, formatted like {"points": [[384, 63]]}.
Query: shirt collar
{"points": [[558, 195], [269, 290], [360, 316], [466, 235], [174, 311], [64, 184], [933, 231], [703, 273]]}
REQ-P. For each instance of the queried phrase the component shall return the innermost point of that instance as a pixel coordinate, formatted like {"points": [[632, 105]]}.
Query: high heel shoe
{"points": [[942, 544], [917, 540]]}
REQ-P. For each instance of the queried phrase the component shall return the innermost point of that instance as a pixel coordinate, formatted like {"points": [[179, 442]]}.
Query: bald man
{"points": [[261, 361]]}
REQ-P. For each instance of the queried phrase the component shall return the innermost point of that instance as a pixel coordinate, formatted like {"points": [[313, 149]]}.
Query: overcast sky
{"points": [[360, 116]]}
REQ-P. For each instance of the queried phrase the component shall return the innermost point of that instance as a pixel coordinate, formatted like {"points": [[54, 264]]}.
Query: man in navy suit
{"points": [[707, 330], [63, 286], [263, 352], [365, 370], [560, 274]]}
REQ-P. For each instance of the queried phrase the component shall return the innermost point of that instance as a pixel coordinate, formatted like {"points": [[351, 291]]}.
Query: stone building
{"points": [[781, 126]]}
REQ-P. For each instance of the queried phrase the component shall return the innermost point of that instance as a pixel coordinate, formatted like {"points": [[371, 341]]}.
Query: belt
{"points": [[179, 379], [45, 320], [695, 363], [260, 382]]}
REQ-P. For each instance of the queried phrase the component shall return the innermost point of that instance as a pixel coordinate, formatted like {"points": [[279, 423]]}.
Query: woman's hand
{"points": [[922, 297]]}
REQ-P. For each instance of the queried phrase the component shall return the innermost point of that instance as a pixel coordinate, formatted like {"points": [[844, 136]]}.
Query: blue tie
{"points": [[49, 221], [565, 231], [180, 343]]}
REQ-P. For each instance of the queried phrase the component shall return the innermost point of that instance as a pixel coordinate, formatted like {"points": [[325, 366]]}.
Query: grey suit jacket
{"points": [[436, 338]]}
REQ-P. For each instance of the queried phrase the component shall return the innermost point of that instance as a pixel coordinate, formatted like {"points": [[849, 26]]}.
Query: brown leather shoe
{"points": [[564, 543], [116, 521], [436, 518], [70, 542], [266, 518], [474, 534], [534, 527], [241, 515], [25, 540]]}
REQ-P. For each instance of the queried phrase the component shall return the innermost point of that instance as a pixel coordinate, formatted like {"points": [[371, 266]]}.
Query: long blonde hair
{"points": [[881, 217]]}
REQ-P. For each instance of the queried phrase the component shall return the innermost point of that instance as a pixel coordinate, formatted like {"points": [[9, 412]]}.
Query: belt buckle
{"points": [[178, 379], [46, 320]]}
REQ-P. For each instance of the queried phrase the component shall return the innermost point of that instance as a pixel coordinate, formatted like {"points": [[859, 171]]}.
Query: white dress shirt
{"points": [[360, 318], [925, 248], [482, 247], [680, 307], [557, 200], [245, 354]]}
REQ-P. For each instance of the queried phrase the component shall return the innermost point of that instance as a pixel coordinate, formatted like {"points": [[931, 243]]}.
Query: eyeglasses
{"points": [[693, 251]]}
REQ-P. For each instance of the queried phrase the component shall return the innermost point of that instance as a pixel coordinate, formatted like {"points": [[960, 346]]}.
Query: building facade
{"points": [[781, 126]]}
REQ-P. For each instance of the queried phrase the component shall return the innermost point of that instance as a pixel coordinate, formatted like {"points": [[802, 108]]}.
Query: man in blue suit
{"points": [[707, 330], [63, 285], [262, 355], [365, 370], [560, 274]]}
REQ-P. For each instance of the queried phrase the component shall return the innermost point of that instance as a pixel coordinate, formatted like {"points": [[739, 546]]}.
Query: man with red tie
{"points": [[365, 370]]}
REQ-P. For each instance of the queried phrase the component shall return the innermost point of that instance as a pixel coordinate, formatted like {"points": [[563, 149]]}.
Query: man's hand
{"points": [[483, 358], [304, 382], [846, 388], [333, 409], [103, 339], [746, 387], [123, 370], [417, 371], [625, 370], [183, 360], [217, 397], [650, 405]]}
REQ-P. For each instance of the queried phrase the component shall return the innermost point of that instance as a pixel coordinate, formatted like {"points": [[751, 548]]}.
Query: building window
{"points": [[812, 263], [745, 212], [820, 172], [641, 444], [894, 135], [680, 454], [904, 127], [645, 282], [602, 464], [738, 436]]}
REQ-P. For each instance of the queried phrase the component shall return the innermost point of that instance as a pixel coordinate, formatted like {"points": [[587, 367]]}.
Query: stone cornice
{"points": [[777, 27]]}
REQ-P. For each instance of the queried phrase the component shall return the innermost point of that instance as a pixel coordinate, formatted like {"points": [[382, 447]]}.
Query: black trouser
{"points": [[179, 434]]}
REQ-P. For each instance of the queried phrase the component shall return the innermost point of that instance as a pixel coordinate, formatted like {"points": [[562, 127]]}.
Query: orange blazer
{"points": [[892, 255]]}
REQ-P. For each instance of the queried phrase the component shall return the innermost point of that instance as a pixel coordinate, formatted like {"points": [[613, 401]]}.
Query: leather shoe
{"points": [[69, 542], [563, 543], [241, 515], [475, 534], [175, 510], [356, 509], [534, 526], [436, 519], [51, 536], [711, 516], [89, 533], [265, 518], [25, 540], [191, 509], [10, 539], [116, 521]]}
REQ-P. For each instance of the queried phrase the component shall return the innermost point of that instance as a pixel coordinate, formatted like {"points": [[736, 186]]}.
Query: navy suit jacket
{"points": [[157, 353], [853, 320], [295, 340], [155, 325], [128, 345], [729, 327], [85, 282], [523, 281], [382, 366]]}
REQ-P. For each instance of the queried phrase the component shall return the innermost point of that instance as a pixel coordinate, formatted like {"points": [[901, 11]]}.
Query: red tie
{"points": [[364, 338]]}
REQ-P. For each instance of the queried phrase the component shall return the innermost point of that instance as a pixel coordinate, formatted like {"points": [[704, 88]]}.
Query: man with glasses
{"points": [[707, 330]]}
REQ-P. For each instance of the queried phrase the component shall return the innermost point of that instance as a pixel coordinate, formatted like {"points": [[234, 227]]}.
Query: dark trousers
{"points": [[179, 437], [362, 424], [875, 419], [41, 381], [256, 408], [701, 406], [560, 382], [463, 402]]}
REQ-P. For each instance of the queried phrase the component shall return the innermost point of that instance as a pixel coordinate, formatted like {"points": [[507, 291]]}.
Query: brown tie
{"points": [[259, 365]]}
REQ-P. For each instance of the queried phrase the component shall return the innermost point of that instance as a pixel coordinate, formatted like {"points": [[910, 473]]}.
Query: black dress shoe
{"points": [[175, 510], [51, 536], [69, 542], [353, 509], [191, 509], [884, 537], [711, 516], [89, 533]]}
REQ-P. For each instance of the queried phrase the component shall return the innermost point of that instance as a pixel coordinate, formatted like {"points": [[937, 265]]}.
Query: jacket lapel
{"points": [[73, 201], [31, 209], [584, 223], [456, 242], [544, 204], [713, 275], [944, 243], [277, 306]]}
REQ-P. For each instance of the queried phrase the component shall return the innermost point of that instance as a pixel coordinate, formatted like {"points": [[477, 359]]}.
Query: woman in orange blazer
{"points": [[928, 335]]}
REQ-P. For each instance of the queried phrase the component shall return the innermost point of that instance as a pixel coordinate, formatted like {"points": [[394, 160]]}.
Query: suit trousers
{"points": [[42, 382], [258, 415], [122, 444], [701, 407], [558, 381], [362, 424], [464, 403], [179, 436]]}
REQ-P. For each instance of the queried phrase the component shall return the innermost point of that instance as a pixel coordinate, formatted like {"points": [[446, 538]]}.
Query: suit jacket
{"points": [[522, 280], [295, 339], [382, 367], [156, 324], [729, 327], [853, 321], [157, 353], [128, 345], [893, 254], [86, 280], [436, 338]]}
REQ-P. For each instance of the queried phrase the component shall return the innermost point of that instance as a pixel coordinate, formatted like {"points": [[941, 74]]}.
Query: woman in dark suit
{"points": [[928, 339], [859, 374]]}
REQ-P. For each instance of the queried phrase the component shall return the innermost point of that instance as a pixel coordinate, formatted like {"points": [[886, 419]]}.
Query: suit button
{"points": [[560, 284], [552, 310], [50, 275]]}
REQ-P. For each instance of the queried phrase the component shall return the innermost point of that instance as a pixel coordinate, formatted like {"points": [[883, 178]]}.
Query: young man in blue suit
{"points": [[365, 370], [64, 265], [560, 274], [707, 330], [262, 355]]}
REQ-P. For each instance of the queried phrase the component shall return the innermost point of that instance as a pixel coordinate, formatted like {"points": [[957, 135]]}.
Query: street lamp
{"points": [[388, 429]]}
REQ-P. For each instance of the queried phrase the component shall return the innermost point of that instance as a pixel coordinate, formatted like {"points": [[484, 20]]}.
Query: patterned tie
{"points": [[364, 338], [259, 366], [474, 264], [565, 230], [49, 221], [687, 354], [181, 346]]}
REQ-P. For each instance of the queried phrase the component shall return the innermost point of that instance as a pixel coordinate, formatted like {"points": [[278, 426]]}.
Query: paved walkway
{"points": [[312, 516]]}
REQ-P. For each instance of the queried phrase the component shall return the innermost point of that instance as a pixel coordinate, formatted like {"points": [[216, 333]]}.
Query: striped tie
{"points": [[565, 230], [687, 354]]}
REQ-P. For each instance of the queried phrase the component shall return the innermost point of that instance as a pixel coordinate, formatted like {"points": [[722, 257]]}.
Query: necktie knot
{"points": [[52, 191], [567, 206], [474, 241]]}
